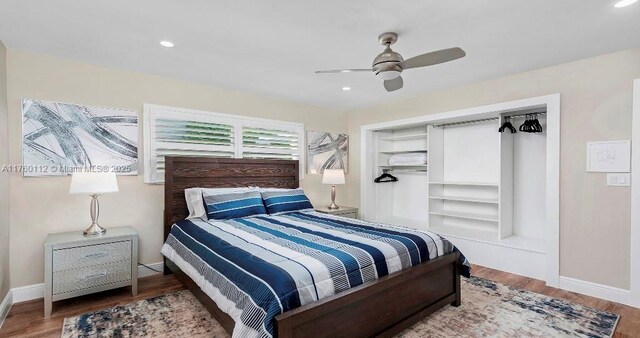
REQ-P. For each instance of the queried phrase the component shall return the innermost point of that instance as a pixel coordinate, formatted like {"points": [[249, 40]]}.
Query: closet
{"points": [[464, 180], [402, 202], [482, 189]]}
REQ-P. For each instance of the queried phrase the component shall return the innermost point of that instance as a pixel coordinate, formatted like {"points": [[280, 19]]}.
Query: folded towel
{"points": [[408, 159]]}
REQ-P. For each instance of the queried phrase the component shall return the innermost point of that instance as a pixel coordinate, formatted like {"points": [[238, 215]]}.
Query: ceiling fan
{"points": [[389, 64]]}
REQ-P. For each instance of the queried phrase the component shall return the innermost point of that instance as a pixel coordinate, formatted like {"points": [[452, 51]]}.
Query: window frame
{"points": [[152, 112]]}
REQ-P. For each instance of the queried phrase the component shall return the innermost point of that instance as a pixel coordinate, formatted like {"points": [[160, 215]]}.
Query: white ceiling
{"points": [[273, 47]]}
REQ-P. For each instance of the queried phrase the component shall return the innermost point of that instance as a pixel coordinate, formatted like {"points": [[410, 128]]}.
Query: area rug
{"points": [[488, 309]]}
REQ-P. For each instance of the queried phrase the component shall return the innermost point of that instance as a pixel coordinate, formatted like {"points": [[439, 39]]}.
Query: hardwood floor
{"points": [[26, 319], [628, 326]]}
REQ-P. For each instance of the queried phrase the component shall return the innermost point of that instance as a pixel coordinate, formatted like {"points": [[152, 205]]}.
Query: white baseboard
{"points": [[5, 306], [610, 293], [36, 291], [143, 271], [28, 292]]}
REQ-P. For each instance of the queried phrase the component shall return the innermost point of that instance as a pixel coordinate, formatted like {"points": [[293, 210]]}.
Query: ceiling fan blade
{"points": [[433, 58], [342, 71], [393, 84]]}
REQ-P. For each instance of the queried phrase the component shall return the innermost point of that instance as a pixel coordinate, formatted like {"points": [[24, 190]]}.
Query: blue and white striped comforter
{"points": [[258, 267]]}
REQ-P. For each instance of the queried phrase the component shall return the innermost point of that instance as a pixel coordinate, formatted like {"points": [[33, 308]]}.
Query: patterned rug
{"points": [[488, 310]]}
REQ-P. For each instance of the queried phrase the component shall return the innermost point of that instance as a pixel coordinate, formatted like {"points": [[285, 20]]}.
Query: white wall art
{"points": [[609, 157], [59, 138], [326, 150]]}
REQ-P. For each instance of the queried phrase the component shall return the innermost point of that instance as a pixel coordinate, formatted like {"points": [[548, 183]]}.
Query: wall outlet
{"points": [[618, 180]]}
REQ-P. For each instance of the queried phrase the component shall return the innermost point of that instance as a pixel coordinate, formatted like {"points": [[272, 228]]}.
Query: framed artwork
{"points": [[60, 138], [609, 157], [326, 150]]}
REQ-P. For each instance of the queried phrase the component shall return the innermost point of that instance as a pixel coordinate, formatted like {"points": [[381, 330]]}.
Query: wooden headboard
{"points": [[195, 172]]}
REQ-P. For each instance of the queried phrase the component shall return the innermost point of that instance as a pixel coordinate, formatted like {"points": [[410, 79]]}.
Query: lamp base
{"points": [[94, 230], [333, 206]]}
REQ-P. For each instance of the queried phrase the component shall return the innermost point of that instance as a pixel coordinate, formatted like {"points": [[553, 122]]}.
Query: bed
{"points": [[340, 277]]}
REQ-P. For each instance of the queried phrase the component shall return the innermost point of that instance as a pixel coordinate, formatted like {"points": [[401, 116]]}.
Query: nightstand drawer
{"points": [[91, 255], [93, 276], [350, 214], [343, 211]]}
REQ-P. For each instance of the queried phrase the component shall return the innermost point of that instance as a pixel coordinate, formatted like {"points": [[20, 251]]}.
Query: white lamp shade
{"points": [[93, 183], [333, 176]]}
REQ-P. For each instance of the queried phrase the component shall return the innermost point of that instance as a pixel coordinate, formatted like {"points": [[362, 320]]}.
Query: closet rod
{"points": [[386, 170], [521, 115], [483, 120], [465, 122]]}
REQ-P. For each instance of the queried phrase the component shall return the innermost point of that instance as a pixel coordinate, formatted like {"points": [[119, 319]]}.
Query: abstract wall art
{"points": [[59, 138], [327, 150]]}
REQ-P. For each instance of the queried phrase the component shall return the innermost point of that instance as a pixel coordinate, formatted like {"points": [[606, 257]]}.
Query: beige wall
{"points": [[596, 105], [4, 178], [43, 205]]}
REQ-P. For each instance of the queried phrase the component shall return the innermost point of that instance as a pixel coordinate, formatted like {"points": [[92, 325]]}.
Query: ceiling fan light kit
{"points": [[389, 74], [389, 64]]}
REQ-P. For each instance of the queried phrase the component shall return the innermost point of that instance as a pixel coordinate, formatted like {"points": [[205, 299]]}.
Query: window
{"points": [[267, 143], [182, 132]]}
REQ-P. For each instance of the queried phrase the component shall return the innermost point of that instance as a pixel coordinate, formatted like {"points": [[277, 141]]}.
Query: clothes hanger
{"points": [[536, 124], [527, 126], [385, 177], [523, 126], [507, 124], [532, 125]]}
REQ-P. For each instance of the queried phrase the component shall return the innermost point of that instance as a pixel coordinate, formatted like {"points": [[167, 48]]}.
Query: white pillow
{"points": [[195, 203]]}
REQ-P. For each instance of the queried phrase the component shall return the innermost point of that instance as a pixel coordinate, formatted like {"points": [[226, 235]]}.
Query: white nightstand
{"points": [[75, 265], [343, 211]]}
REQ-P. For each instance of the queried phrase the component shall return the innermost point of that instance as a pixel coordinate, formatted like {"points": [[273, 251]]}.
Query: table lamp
{"points": [[93, 184], [333, 177]]}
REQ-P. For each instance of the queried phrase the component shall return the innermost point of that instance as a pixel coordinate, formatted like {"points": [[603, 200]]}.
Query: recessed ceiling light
{"points": [[625, 3], [166, 43], [346, 88]]}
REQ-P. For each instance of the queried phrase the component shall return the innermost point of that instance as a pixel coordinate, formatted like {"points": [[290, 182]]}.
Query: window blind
{"points": [[174, 137], [172, 131], [266, 143]]}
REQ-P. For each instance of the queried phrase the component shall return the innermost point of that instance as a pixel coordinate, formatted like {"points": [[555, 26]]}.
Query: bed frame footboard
{"points": [[381, 308]]}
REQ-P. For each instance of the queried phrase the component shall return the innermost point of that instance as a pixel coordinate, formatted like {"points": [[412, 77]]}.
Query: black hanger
{"points": [[507, 124], [385, 177], [524, 127], [531, 124], [536, 124]]}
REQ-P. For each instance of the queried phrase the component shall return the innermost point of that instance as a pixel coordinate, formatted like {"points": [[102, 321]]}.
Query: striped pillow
{"points": [[233, 205], [195, 203], [278, 202]]}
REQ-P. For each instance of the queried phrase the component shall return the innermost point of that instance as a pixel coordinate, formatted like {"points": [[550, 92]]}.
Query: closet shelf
{"points": [[490, 236], [404, 151], [466, 199], [404, 221], [405, 137], [481, 184], [466, 215], [477, 233]]}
